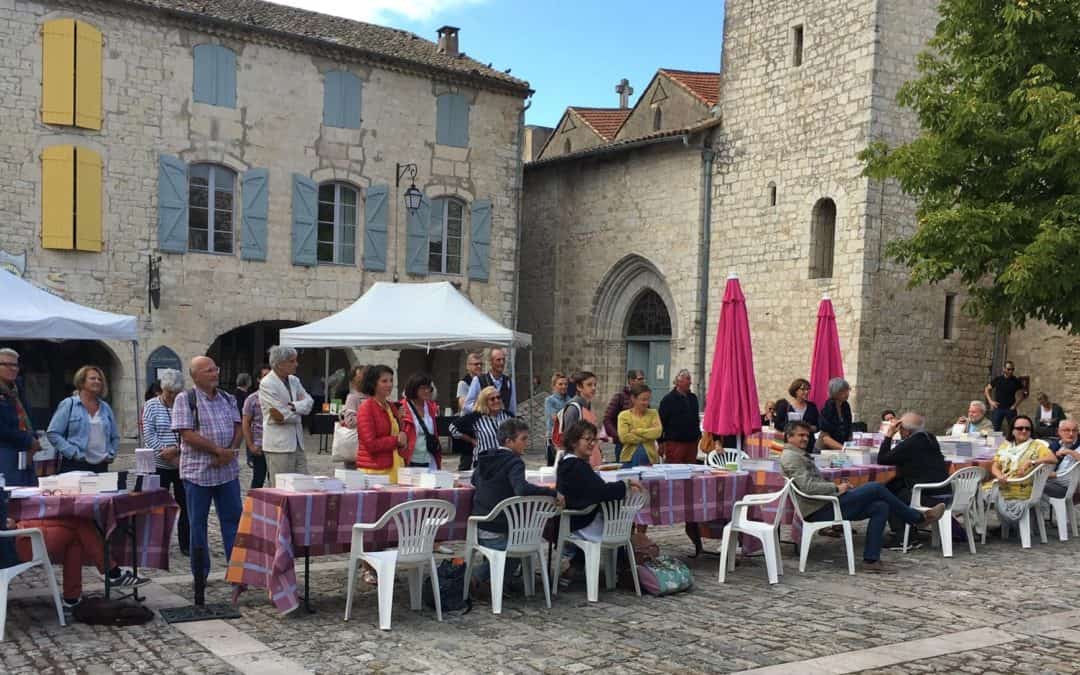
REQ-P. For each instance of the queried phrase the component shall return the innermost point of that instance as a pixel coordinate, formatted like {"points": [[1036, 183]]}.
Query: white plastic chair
{"points": [[810, 528], [965, 489], [719, 459], [40, 557], [525, 520], [1038, 477], [1063, 509], [618, 525], [767, 533], [417, 523]]}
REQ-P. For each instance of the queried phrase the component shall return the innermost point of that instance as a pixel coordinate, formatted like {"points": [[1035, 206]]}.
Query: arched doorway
{"points": [[47, 369], [648, 339]]}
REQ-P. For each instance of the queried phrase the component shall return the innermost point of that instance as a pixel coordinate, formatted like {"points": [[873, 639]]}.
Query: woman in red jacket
{"points": [[418, 415], [378, 429]]}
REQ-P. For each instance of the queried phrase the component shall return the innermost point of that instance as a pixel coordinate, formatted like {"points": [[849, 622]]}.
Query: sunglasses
{"points": [[1021, 428]]}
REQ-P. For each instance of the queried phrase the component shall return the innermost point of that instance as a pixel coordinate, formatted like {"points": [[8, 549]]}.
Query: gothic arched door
{"points": [[648, 342]]}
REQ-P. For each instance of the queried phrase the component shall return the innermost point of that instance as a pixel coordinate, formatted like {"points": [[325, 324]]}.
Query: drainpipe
{"points": [[707, 155], [519, 184]]}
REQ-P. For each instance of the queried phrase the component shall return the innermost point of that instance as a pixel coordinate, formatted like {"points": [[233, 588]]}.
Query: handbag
{"points": [[664, 575], [345, 444]]}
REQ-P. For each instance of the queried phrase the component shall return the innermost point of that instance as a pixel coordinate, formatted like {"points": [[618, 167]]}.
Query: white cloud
{"points": [[383, 11]]}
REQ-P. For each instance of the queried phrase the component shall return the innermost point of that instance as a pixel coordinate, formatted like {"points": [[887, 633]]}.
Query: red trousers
{"points": [[680, 452], [71, 543]]}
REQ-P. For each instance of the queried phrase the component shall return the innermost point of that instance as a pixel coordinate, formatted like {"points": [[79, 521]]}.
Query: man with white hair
{"points": [[495, 377], [17, 438], [918, 459], [284, 402], [976, 421]]}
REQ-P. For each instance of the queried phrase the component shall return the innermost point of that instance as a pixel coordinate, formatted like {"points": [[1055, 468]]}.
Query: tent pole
{"points": [[326, 376], [138, 399], [532, 409]]}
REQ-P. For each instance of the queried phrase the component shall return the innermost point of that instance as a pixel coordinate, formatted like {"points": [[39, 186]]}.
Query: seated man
{"points": [[871, 501], [1067, 453], [918, 459], [976, 421]]}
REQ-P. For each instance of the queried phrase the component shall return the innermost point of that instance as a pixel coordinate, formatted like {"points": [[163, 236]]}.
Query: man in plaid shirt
{"points": [[209, 437]]}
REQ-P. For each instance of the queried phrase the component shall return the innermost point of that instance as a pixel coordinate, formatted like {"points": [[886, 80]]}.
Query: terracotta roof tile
{"points": [[390, 44], [628, 143], [604, 121], [705, 86]]}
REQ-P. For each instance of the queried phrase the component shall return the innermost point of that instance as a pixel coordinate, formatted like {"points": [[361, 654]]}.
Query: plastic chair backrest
{"points": [[526, 518], [965, 485], [1042, 472], [1073, 474], [796, 492], [781, 501], [619, 517], [417, 523], [715, 460]]}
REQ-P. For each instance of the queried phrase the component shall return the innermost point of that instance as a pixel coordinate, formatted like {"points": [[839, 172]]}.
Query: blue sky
{"points": [[572, 53]]}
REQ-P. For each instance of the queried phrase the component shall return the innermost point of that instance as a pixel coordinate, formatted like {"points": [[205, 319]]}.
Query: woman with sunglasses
{"points": [[1014, 459], [480, 428]]}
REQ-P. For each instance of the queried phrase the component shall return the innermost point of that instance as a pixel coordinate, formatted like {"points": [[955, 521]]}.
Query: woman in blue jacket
{"points": [[16, 429], [83, 428]]}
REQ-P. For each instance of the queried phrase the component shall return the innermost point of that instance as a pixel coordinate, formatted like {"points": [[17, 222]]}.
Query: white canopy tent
{"points": [[31, 313]]}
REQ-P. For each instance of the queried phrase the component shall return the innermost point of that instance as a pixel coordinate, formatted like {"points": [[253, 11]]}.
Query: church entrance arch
{"points": [[648, 340]]}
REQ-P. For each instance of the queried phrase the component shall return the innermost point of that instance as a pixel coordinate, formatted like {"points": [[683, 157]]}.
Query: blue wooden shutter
{"points": [[480, 240], [225, 60], [204, 75], [351, 98], [452, 121], [172, 204], [333, 96], [416, 239], [376, 231], [304, 200], [255, 198]]}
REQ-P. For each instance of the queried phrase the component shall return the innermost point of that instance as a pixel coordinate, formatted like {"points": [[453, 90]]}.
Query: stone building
{"points": [[763, 182], [255, 156]]}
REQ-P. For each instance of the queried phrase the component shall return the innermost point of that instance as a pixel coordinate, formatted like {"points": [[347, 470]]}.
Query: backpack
{"points": [[451, 588], [557, 428], [102, 612], [664, 575], [193, 405]]}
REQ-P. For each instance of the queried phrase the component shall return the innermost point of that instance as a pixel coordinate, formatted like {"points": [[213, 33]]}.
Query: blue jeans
{"points": [[999, 415], [618, 451], [872, 501], [639, 458], [226, 498], [482, 572]]}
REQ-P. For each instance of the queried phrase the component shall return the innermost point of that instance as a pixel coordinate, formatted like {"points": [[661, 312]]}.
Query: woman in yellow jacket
{"points": [[639, 429]]}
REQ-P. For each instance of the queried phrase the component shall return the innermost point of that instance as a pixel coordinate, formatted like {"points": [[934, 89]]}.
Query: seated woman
{"points": [[639, 428], [500, 474], [1049, 415], [797, 409], [480, 427], [72, 543], [1014, 459], [836, 416]]}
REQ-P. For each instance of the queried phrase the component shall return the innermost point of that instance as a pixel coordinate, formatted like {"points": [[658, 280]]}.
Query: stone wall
{"points": [[574, 129], [679, 109], [1051, 358], [276, 125]]}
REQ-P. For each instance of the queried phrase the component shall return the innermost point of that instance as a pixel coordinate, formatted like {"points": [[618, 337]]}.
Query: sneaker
{"points": [[128, 578], [71, 604]]}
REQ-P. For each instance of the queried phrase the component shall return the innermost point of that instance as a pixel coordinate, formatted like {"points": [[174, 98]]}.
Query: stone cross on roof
{"points": [[624, 90]]}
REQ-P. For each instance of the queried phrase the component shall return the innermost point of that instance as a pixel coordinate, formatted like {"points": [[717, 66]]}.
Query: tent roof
{"points": [[31, 313], [425, 316]]}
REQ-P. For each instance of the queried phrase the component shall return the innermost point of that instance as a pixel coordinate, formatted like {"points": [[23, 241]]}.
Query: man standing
{"points": [[1068, 454], [209, 426], [619, 402], [497, 378], [918, 459], [682, 431], [1004, 393], [284, 402], [17, 440], [252, 420]]}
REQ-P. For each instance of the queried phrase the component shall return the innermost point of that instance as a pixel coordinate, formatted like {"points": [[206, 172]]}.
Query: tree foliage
{"points": [[996, 168]]}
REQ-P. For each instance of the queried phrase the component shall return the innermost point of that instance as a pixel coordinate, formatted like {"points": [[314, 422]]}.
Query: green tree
{"points": [[995, 170]]}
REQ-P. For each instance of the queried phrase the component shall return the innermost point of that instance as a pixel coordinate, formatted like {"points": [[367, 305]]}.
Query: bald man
{"points": [[918, 459], [208, 423]]}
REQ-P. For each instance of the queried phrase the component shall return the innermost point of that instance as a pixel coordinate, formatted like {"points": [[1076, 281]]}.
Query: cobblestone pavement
{"points": [[1005, 610]]}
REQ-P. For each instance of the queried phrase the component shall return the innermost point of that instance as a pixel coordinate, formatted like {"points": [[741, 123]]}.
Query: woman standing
{"points": [[83, 429], [552, 405], [1015, 459], [580, 408], [354, 398], [158, 434], [16, 430], [480, 427], [797, 409], [639, 428], [836, 416], [378, 429], [418, 414]]}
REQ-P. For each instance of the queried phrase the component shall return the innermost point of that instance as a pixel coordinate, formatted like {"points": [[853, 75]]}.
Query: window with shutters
{"points": [[341, 100], [337, 224], [452, 120], [71, 74], [822, 239], [445, 235], [71, 198], [211, 196], [214, 77]]}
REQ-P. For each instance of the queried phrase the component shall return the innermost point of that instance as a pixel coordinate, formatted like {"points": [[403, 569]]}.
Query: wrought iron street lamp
{"points": [[413, 196]]}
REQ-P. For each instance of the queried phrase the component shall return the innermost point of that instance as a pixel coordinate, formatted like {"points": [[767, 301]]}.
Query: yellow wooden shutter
{"points": [[87, 200], [57, 197], [58, 72], [87, 76]]}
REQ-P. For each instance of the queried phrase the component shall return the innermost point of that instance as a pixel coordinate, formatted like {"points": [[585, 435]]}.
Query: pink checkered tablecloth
{"points": [[704, 498], [153, 511]]}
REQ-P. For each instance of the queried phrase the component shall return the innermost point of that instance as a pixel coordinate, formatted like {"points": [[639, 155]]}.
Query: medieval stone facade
{"points": [[278, 121]]}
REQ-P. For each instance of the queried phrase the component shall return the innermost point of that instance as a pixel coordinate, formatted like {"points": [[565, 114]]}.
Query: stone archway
{"points": [[48, 368]]}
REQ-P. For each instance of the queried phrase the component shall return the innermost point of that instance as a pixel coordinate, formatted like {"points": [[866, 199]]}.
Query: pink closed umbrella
{"points": [[826, 363], [731, 408]]}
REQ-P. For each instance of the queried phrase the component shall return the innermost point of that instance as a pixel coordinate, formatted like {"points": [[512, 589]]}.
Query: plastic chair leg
{"points": [[1042, 523], [384, 572], [1025, 530], [541, 555], [611, 558], [769, 544], [469, 553], [724, 553], [804, 548], [556, 563], [528, 575], [435, 589], [1072, 520], [633, 566], [943, 531], [907, 531], [497, 559], [779, 552], [416, 579], [592, 570], [969, 531], [3, 603], [349, 588], [53, 589], [850, 546], [1061, 516]]}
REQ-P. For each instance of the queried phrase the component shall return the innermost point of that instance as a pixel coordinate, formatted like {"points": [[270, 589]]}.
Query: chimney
{"points": [[624, 90], [448, 41]]}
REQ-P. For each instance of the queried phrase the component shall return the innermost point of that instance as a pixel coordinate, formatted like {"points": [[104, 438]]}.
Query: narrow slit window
{"points": [[797, 46], [950, 315]]}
